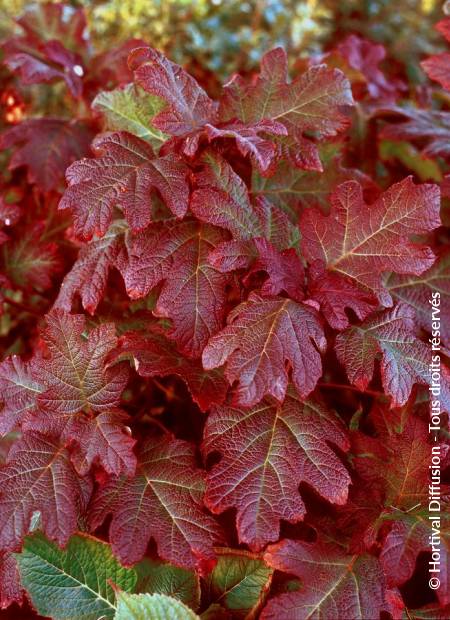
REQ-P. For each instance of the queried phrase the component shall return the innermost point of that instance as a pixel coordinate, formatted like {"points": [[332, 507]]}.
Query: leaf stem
{"points": [[342, 386], [23, 307]]}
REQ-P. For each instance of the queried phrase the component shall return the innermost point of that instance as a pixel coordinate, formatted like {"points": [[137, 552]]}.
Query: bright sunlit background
{"points": [[226, 35]]}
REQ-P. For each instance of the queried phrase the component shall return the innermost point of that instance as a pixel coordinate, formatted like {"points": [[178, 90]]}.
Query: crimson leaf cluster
{"points": [[225, 362]]}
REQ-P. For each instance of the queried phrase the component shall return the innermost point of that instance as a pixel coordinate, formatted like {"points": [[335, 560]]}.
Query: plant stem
{"points": [[342, 386]]}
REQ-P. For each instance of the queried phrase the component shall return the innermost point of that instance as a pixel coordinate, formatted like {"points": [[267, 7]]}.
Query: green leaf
{"points": [[164, 578], [425, 167], [131, 109], [215, 612], [151, 607], [239, 581], [74, 583]]}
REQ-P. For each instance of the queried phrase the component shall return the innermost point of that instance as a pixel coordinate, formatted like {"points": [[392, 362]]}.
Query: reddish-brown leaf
{"points": [[39, 478], [266, 453], [193, 294], [46, 147], [405, 360], [163, 501], [362, 241], [155, 355], [124, 174], [333, 584], [261, 337]]}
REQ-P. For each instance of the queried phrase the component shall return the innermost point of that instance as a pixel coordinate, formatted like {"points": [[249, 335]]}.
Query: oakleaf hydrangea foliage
{"points": [[216, 333]]}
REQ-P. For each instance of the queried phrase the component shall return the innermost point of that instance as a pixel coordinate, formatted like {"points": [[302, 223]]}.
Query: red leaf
{"points": [[222, 199], [156, 356], [361, 241], [276, 229], [188, 106], [444, 27], [284, 269], [55, 35], [163, 501], [110, 68], [19, 391], [425, 127], [193, 294], [418, 290], [29, 261], [44, 62], [365, 56], [51, 21], [10, 588], [335, 293], [437, 67], [89, 274], [10, 214], [189, 112], [103, 439], [396, 461], [232, 255], [406, 539], [262, 335], [59, 395], [291, 189], [46, 146], [405, 359], [309, 104], [124, 175], [266, 453], [334, 585], [75, 375], [39, 477], [263, 152]]}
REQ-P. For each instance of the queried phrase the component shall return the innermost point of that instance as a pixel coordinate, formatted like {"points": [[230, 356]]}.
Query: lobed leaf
{"points": [[38, 62], [193, 293], [19, 391], [311, 103], [124, 174], [240, 581], [39, 479], [11, 590], [105, 439], [361, 242], [420, 126], [55, 21], [156, 356], [75, 583], [292, 190], [336, 293], [221, 198], [30, 262], [188, 107], [46, 147], [285, 272], [163, 501], [131, 109], [418, 290], [76, 376], [364, 57], [89, 274], [262, 335], [343, 586], [159, 577], [266, 453], [405, 360]]}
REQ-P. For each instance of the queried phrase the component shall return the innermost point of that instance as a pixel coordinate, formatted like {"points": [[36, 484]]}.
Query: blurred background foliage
{"points": [[225, 36]]}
